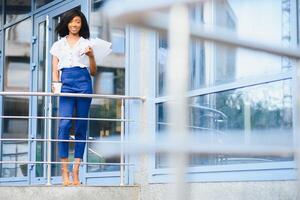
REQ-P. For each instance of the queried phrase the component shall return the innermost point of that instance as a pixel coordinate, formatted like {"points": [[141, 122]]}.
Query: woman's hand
{"points": [[93, 67], [89, 52]]}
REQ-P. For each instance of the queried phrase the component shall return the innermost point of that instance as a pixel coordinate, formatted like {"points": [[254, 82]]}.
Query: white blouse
{"points": [[71, 57]]}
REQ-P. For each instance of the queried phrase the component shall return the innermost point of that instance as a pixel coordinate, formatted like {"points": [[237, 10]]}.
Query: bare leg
{"points": [[76, 171], [65, 172]]}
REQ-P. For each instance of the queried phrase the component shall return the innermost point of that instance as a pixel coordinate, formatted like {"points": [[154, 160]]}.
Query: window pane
{"points": [[16, 78], [15, 128], [218, 64], [258, 115], [41, 100], [161, 159], [196, 59], [1, 14], [255, 20], [110, 79], [15, 10], [162, 64], [104, 131], [17, 57], [40, 3]]}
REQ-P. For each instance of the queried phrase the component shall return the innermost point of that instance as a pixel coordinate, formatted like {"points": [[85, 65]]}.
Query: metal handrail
{"points": [[57, 162], [49, 140], [99, 96], [59, 140], [71, 118]]}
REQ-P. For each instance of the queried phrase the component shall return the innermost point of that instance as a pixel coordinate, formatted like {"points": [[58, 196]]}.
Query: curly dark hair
{"points": [[62, 26]]}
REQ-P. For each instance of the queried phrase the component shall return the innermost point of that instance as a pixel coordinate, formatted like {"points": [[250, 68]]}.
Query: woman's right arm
{"points": [[55, 73]]}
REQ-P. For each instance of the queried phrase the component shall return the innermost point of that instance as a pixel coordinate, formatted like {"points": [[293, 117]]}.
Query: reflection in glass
{"points": [[255, 19], [110, 79], [1, 14], [258, 21], [104, 131], [17, 151], [162, 63], [41, 100], [16, 78], [40, 3], [15, 10], [161, 159], [196, 73], [225, 64], [258, 115]]}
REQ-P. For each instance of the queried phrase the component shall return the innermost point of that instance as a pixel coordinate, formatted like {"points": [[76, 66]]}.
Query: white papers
{"points": [[101, 49]]}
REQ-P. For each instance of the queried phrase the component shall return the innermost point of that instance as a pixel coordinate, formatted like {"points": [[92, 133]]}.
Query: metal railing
{"points": [[48, 139]]}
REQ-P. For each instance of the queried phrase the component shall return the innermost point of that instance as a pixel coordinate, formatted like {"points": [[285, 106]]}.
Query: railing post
{"points": [[177, 79], [122, 144], [48, 136], [49, 142]]}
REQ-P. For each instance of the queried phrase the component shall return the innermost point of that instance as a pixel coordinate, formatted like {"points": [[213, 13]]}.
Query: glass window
{"points": [[15, 10], [40, 3], [257, 115], [110, 79], [219, 64], [162, 64], [196, 53], [258, 21], [1, 14], [41, 100], [16, 78]]}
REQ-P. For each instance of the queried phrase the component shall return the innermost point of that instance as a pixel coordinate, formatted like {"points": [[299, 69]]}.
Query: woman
{"points": [[73, 56]]}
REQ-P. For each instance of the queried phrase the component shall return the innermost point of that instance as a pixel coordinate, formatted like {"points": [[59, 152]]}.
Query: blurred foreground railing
{"points": [[180, 29]]}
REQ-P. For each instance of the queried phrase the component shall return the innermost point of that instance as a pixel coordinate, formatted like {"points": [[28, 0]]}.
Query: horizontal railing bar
{"points": [[113, 8], [99, 96], [58, 140], [54, 162], [160, 22], [200, 148], [71, 118]]}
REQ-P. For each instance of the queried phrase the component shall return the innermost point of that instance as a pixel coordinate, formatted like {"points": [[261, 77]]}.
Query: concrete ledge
{"points": [[70, 193]]}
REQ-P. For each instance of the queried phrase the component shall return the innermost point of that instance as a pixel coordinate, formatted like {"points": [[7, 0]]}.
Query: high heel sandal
{"points": [[65, 177]]}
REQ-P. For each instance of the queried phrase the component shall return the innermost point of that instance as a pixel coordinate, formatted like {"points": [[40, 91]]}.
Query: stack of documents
{"points": [[101, 49]]}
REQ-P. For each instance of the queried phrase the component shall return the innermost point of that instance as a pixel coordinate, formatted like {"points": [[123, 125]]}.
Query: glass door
{"points": [[39, 104], [44, 37]]}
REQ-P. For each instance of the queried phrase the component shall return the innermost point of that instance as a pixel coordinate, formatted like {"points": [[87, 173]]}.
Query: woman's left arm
{"points": [[93, 67]]}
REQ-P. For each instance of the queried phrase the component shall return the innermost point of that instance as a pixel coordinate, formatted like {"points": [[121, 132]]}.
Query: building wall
{"points": [[281, 190]]}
